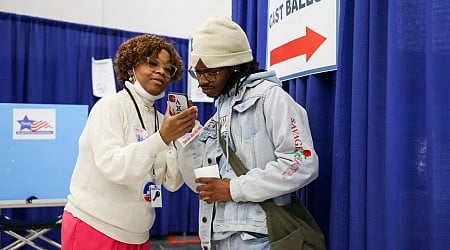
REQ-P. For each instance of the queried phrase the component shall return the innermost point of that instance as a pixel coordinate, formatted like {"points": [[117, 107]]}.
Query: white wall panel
{"points": [[175, 18]]}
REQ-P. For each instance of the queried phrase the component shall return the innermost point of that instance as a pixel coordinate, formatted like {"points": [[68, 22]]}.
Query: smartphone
{"points": [[177, 102]]}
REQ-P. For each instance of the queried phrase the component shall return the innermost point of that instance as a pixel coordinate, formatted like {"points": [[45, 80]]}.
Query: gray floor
{"points": [[181, 242]]}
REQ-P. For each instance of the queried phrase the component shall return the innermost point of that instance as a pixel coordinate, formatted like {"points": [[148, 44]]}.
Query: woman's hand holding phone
{"points": [[177, 123]]}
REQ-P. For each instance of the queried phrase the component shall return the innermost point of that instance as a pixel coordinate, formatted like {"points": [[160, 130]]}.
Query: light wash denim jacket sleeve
{"points": [[270, 134]]}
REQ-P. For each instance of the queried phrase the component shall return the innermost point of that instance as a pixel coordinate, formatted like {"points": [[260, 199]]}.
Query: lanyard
{"points": [[139, 113]]}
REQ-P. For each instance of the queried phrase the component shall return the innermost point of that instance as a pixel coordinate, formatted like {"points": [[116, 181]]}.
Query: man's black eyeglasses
{"points": [[209, 74]]}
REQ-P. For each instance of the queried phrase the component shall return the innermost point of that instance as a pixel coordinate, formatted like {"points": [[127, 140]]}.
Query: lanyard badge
{"points": [[152, 193]]}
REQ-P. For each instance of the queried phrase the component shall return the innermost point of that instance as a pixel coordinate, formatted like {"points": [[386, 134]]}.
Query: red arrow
{"points": [[307, 44]]}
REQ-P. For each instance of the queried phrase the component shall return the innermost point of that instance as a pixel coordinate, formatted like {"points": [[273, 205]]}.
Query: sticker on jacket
{"points": [[188, 137], [141, 134]]}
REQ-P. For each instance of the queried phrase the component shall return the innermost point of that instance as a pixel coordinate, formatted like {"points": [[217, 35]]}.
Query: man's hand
{"points": [[213, 189]]}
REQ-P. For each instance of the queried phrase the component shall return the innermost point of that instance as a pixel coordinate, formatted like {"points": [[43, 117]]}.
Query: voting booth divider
{"points": [[39, 147]]}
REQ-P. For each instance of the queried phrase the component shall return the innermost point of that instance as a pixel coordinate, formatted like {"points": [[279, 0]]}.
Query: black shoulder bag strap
{"points": [[235, 162], [238, 166]]}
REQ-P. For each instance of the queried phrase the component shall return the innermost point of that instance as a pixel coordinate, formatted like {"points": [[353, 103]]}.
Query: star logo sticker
{"points": [[25, 123]]}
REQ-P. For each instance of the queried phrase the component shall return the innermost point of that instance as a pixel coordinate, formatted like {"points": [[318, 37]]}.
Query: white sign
{"points": [[194, 91], [103, 83], [301, 37], [34, 124]]}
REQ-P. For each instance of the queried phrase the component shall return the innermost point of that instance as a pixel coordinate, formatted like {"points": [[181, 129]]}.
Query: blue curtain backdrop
{"points": [[45, 61], [380, 124]]}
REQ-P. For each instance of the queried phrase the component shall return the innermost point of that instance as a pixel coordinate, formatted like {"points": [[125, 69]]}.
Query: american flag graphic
{"points": [[38, 125]]}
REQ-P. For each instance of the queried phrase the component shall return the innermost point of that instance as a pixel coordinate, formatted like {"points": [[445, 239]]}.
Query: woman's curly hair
{"points": [[137, 49]]}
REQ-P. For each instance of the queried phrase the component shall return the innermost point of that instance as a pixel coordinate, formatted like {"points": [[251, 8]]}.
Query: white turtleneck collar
{"points": [[148, 98]]}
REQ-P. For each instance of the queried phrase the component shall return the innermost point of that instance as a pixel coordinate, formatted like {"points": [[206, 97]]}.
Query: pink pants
{"points": [[77, 235]]}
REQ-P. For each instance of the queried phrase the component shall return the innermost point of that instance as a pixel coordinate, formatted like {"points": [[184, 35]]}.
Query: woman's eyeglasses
{"points": [[209, 74], [168, 68]]}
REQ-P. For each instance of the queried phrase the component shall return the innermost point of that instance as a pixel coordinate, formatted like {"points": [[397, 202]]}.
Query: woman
{"points": [[261, 123], [125, 152]]}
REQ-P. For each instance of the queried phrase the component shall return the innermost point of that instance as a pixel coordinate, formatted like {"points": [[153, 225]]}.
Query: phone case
{"points": [[177, 102]]}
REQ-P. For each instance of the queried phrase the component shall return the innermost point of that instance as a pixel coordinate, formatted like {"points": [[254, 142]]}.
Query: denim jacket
{"points": [[270, 133]]}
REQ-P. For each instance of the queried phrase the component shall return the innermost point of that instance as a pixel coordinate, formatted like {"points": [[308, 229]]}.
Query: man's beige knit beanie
{"points": [[220, 42]]}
